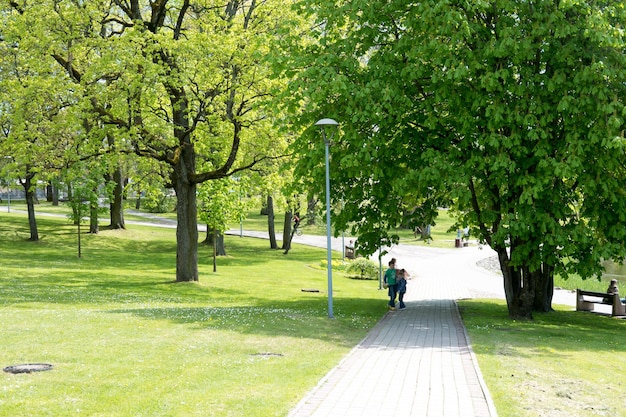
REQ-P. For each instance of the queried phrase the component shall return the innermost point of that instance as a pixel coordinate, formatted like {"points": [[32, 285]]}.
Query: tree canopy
{"points": [[183, 83], [512, 112]]}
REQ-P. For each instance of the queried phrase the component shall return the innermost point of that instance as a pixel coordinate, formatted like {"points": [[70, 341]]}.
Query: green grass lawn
{"points": [[125, 340], [561, 364]]}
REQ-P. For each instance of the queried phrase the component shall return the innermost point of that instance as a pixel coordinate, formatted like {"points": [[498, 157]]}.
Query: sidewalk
{"points": [[417, 361]]}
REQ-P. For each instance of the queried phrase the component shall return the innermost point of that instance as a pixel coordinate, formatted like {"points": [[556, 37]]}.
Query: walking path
{"points": [[417, 361]]}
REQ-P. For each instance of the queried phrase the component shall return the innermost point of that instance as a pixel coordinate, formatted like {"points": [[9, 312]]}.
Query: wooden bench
{"points": [[586, 300]]}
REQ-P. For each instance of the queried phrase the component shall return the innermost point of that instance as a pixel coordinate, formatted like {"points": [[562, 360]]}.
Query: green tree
{"points": [[83, 201], [182, 83], [510, 111], [221, 204], [37, 120]]}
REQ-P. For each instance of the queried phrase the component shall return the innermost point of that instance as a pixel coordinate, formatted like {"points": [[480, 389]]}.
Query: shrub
{"points": [[337, 265], [363, 268]]}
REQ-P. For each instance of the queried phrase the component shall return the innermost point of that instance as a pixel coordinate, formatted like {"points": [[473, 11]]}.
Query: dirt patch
{"points": [[562, 398]]}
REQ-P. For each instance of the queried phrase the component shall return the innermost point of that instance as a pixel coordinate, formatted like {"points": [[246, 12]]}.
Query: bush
{"points": [[363, 268], [337, 265]]}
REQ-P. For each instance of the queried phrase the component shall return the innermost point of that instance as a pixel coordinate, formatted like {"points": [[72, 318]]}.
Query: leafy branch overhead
{"points": [[511, 113]]}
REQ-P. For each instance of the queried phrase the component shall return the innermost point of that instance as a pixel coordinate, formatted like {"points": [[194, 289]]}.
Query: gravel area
{"points": [[491, 264]]}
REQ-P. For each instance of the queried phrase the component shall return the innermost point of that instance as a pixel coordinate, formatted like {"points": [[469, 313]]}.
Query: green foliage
{"points": [[83, 197], [185, 86], [363, 268], [221, 202], [511, 112], [158, 200]]}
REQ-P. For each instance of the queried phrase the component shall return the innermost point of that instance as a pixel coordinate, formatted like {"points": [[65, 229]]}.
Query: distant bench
{"points": [[586, 300]]}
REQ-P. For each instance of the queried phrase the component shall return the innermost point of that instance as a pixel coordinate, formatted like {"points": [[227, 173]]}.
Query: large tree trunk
{"points": [[186, 233], [518, 288], [544, 289], [270, 222], [186, 215], [186, 229], [55, 195], [52, 193], [117, 202], [30, 204], [310, 210], [287, 231], [49, 192], [526, 290]]}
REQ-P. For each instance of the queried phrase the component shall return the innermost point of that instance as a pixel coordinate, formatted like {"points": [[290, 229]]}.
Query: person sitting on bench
{"points": [[612, 289]]}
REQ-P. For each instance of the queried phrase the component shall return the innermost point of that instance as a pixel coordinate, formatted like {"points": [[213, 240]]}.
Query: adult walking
{"points": [[390, 282]]}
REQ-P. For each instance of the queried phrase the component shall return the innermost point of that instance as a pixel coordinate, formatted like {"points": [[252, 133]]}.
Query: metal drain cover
{"points": [[27, 368]]}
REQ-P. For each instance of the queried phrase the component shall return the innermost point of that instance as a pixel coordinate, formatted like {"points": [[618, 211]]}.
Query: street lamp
{"points": [[322, 123]]}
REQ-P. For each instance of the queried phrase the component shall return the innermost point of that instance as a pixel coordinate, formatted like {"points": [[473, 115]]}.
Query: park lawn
{"points": [[126, 340], [561, 364]]}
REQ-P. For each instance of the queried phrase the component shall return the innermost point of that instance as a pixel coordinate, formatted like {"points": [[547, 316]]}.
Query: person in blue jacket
{"points": [[401, 286]]}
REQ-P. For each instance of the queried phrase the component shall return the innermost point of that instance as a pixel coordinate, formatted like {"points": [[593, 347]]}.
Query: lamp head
{"points": [[326, 122]]}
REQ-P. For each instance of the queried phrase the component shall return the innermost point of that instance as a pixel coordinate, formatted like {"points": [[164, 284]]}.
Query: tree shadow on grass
{"points": [[305, 317], [557, 331]]}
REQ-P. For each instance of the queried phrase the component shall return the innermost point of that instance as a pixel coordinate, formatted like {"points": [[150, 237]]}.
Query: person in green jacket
{"points": [[392, 286]]}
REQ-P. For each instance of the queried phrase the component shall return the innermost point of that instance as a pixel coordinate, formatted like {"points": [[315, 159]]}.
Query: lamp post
{"points": [[322, 123]]}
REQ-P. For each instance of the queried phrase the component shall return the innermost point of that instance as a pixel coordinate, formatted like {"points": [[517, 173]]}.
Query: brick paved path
{"points": [[416, 361]]}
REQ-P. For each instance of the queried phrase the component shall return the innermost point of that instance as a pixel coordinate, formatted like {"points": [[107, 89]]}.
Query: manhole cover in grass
{"points": [[27, 368]]}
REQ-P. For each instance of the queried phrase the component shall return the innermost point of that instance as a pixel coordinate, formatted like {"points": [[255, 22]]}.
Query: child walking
{"points": [[401, 283]]}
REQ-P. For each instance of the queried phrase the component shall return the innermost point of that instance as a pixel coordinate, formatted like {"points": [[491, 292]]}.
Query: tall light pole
{"points": [[322, 123]]}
